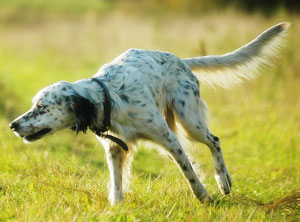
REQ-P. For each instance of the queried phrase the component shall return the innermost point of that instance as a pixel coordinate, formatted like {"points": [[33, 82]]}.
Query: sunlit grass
{"points": [[64, 177]]}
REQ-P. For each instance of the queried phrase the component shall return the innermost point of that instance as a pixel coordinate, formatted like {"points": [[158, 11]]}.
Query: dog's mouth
{"points": [[37, 135]]}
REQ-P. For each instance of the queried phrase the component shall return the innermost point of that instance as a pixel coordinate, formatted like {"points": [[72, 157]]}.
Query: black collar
{"points": [[106, 120], [107, 105]]}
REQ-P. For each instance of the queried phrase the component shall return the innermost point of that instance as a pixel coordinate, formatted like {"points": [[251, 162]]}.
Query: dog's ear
{"points": [[85, 112]]}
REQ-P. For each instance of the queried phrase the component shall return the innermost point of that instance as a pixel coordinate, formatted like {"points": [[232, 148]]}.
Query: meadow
{"points": [[64, 177]]}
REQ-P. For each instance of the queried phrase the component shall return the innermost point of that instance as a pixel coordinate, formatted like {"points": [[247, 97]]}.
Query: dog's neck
{"points": [[91, 91]]}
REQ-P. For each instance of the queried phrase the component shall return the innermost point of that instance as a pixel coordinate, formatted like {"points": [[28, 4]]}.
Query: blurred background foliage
{"points": [[71, 7]]}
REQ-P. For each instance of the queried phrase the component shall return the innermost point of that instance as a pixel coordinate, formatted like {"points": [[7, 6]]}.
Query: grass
{"points": [[64, 177]]}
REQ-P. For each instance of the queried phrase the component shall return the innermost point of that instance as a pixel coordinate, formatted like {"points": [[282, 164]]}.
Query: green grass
{"points": [[64, 177]]}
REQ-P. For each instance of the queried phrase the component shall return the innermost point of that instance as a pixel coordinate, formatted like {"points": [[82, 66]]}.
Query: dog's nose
{"points": [[14, 126]]}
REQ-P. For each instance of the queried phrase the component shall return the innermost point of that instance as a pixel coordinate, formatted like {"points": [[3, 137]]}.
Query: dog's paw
{"points": [[207, 200], [224, 182], [115, 197]]}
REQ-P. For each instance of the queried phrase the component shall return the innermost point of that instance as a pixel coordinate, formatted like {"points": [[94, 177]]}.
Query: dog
{"points": [[144, 95]]}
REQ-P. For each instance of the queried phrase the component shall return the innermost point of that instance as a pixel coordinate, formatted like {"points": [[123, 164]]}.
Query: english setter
{"points": [[150, 92]]}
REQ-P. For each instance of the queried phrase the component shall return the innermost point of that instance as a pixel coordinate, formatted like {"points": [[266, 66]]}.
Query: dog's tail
{"points": [[243, 63]]}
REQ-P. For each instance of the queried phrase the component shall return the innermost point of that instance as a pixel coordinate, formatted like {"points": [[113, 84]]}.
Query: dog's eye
{"points": [[39, 106]]}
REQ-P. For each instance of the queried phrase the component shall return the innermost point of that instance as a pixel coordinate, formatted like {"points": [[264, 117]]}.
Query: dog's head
{"points": [[55, 107]]}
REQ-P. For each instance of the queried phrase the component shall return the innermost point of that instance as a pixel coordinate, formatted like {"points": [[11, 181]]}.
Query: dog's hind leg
{"points": [[192, 117], [222, 176], [159, 132]]}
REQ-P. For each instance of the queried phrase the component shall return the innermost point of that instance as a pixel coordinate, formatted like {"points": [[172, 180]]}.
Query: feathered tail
{"points": [[243, 63]]}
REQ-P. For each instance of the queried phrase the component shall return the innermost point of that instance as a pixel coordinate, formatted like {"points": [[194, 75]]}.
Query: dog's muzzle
{"points": [[15, 127]]}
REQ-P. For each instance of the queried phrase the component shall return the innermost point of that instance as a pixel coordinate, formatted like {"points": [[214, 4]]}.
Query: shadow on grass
{"points": [[287, 206]]}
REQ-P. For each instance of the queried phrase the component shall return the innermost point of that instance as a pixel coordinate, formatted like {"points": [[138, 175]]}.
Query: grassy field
{"points": [[64, 177]]}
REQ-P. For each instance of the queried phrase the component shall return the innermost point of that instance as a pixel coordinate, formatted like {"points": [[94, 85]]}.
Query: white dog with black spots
{"points": [[150, 92]]}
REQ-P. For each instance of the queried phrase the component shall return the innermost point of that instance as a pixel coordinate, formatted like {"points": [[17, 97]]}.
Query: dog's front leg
{"points": [[114, 161]]}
